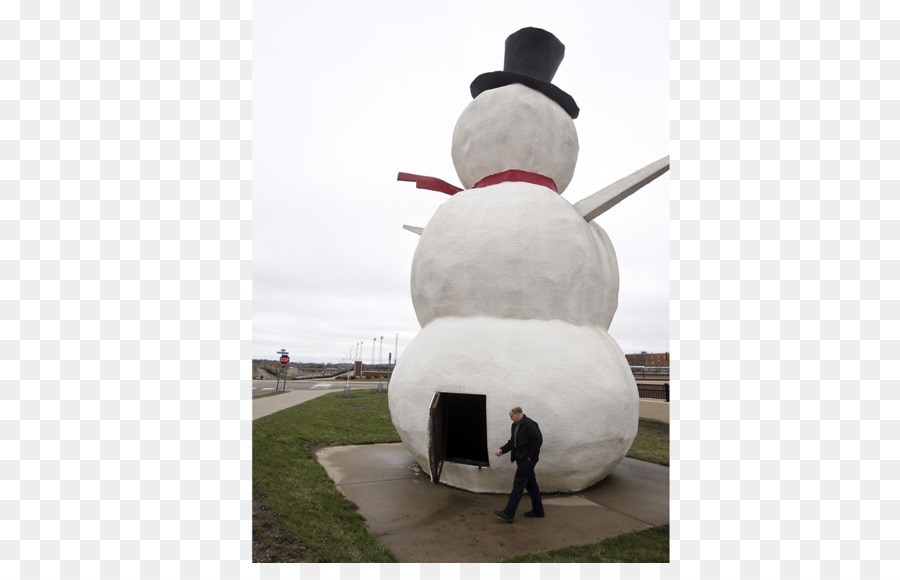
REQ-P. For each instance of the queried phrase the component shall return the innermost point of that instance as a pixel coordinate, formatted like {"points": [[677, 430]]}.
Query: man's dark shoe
{"points": [[533, 515], [503, 516]]}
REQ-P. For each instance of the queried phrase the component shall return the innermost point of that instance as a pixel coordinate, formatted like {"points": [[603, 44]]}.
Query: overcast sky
{"points": [[347, 96]]}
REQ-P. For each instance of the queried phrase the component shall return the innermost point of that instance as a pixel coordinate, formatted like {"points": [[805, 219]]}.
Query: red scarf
{"points": [[435, 184]]}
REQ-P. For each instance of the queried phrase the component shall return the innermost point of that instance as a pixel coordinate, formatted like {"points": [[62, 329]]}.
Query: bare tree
{"points": [[346, 359]]}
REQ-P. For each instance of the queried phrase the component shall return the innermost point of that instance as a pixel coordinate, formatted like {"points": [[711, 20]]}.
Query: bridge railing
{"points": [[658, 373], [654, 392]]}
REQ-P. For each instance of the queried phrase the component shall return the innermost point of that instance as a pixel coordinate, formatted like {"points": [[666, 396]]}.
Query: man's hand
{"points": [[499, 452]]}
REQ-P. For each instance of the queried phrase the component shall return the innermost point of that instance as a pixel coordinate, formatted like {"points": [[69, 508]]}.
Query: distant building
{"points": [[648, 359]]}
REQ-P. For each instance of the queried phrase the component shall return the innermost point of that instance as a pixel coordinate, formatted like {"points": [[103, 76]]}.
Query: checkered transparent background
{"points": [[125, 291], [784, 292], [125, 295]]}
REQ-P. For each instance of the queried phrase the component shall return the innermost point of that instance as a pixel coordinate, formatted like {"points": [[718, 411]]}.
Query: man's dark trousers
{"points": [[524, 480]]}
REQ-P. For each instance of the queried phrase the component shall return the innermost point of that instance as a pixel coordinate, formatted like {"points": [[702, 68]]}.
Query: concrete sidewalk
{"points": [[267, 405], [419, 521]]}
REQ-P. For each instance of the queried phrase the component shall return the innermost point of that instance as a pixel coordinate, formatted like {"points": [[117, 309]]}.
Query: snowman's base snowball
{"points": [[572, 380]]}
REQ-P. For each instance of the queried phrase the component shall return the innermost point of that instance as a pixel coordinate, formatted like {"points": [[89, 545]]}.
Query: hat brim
{"points": [[493, 80]]}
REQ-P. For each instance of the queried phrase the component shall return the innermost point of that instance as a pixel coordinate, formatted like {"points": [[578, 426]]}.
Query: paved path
{"points": [[268, 405], [419, 521]]}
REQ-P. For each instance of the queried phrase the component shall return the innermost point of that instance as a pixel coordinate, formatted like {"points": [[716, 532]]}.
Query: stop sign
{"points": [[285, 359]]}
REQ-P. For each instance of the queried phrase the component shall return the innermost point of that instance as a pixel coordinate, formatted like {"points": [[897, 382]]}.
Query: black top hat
{"points": [[532, 57]]}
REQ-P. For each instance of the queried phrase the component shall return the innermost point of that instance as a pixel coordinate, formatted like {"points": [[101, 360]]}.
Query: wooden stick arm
{"points": [[413, 229], [594, 205]]}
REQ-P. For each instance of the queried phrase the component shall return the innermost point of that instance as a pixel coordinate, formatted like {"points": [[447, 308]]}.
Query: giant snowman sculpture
{"points": [[515, 289]]}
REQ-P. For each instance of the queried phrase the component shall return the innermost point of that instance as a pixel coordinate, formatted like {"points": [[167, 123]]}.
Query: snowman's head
{"points": [[514, 127]]}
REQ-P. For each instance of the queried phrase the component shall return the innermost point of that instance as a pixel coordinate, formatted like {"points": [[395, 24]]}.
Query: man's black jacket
{"points": [[529, 440]]}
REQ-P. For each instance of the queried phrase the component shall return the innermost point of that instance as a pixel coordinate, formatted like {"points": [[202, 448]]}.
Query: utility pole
{"points": [[380, 387], [396, 356], [347, 386]]}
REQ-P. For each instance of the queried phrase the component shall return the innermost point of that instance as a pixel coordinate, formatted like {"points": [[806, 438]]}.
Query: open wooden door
{"points": [[438, 439]]}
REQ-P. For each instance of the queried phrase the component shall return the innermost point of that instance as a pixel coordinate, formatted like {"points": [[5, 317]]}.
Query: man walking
{"points": [[525, 443]]}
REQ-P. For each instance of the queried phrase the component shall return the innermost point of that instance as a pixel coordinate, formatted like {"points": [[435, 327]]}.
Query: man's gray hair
{"points": [[516, 410]]}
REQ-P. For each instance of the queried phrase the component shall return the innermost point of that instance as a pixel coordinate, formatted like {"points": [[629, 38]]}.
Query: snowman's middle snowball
{"points": [[514, 127], [514, 250]]}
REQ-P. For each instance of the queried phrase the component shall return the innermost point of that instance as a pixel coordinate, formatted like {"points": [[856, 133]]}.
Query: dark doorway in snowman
{"points": [[458, 431]]}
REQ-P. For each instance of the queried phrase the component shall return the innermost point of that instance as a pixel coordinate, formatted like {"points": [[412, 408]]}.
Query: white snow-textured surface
{"points": [[573, 380], [514, 127], [514, 250]]}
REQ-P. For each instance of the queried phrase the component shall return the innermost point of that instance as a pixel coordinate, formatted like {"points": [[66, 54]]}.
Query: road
{"points": [[261, 387]]}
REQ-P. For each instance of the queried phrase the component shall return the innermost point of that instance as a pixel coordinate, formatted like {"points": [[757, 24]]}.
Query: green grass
{"points": [[650, 545], [300, 516], [651, 443], [272, 394], [298, 513]]}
